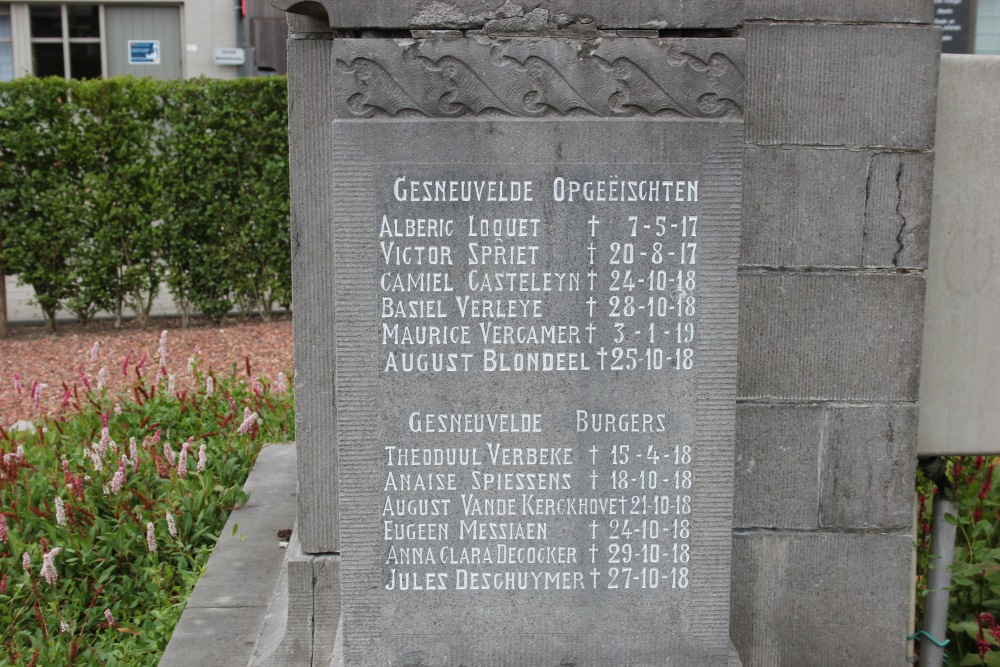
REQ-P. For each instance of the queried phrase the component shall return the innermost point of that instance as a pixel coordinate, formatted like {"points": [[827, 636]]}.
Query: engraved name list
{"points": [[539, 277]]}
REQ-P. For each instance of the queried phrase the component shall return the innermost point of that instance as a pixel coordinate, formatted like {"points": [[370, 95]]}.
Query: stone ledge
{"points": [[476, 14], [224, 613], [848, 11]]}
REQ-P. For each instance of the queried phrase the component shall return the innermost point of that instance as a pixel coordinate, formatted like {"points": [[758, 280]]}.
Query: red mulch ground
{"points": [[55, 359]]}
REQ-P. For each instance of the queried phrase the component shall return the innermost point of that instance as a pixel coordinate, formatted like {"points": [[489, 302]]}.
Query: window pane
{"points": [[4, 25], [48, 60], [46, 21], [85, 61], [6, 61], [83, 21]]}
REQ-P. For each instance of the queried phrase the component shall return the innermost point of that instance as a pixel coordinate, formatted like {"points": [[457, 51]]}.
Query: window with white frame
{"points": [[6, 45], [66, 40]]}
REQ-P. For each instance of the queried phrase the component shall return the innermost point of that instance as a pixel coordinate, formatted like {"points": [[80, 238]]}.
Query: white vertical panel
{"points": [[21, 28], [209, 24], [6, 45], [960, 375], [988, 27]]}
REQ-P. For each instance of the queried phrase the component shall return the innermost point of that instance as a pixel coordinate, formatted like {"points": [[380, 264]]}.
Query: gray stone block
{"points": [[310, 161], [830, 336], [898, 210], [520, 16], [809, 207], [836, 208], [777, 466], [326, 607], [841, 85], [458, 625], [304, 613], [286, 636], [821, 600], [300, 25], [868, 11], [869, 456], [803, 207]]}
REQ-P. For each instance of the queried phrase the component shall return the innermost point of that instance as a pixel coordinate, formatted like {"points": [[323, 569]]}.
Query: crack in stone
{"points": [[312, 617], [864, 214], [899, 214]]}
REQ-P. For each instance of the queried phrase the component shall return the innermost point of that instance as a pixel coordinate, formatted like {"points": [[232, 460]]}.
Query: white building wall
{"points": [[205, 26]]}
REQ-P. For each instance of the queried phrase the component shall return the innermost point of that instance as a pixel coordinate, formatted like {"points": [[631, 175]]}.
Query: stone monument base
{"points": [[303, 618], [302, 627]]}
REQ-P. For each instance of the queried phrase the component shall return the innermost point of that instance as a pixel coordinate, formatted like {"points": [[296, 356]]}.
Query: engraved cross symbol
{"points": [[593, 222]]}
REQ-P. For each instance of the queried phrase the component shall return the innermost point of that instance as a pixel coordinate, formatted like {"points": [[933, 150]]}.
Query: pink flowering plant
{"points": [[101, 536], [974, 609]]}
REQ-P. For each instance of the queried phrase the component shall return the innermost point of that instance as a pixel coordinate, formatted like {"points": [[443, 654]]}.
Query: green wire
{"points": [[920, 633]]}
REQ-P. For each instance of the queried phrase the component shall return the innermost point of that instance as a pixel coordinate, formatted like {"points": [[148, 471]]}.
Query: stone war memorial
{"points": [[607, 331]]}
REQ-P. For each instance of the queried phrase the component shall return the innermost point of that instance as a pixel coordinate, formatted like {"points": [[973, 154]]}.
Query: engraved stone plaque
{"points": [[535, 247]]}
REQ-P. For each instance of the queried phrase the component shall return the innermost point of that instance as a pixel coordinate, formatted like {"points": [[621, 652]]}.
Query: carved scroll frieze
{"points": [[689, 78]]}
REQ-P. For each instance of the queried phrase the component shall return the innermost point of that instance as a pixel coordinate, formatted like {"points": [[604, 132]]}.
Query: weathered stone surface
{"points": [[302, 619], [898, 210], [326, 607], [777, 466], [530, 77], [863, 92], [830, 336], [521, 15], [809, 207], [301, 26], [378, 396], [803, 207], [451, 601], [310, 162], [874, 11], [286, 636], [823, 600], [841, 85], [212, 636], [868, 462]]}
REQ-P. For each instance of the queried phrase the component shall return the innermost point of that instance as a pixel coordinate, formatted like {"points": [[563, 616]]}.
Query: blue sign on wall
{"points": [[143, 52]]}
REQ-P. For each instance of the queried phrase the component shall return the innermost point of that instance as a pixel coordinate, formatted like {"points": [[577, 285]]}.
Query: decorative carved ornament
{"points": [[689, 78]]}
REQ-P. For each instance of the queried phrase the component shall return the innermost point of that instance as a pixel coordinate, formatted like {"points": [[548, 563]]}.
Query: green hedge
{"points": [[112, 189]]}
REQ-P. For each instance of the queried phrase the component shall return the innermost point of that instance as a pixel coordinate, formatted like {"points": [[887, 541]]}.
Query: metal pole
{"points": [[939, 569]]}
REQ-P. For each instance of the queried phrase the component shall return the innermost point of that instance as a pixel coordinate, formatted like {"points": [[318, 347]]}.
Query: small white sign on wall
{"points": [[229, 56], [143, 52]]}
